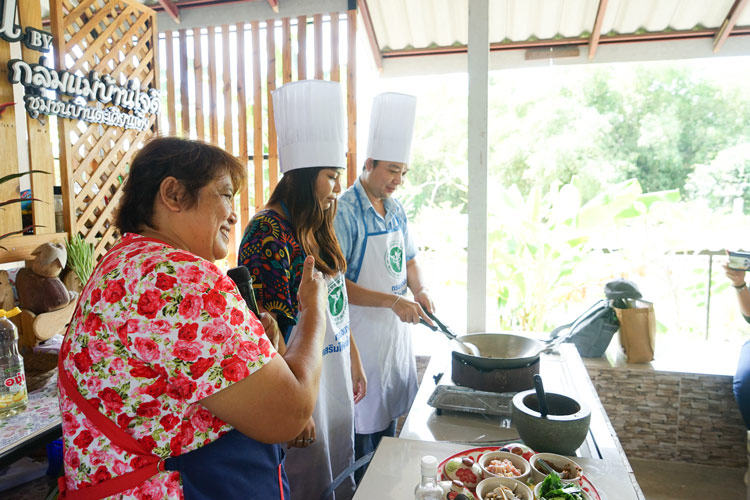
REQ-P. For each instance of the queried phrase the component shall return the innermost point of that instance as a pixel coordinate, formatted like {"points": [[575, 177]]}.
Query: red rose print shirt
{"points": [[157, 330]]}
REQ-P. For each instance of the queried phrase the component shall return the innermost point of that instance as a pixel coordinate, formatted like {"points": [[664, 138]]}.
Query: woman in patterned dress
{"points": [[296, 222], [168, 383]]}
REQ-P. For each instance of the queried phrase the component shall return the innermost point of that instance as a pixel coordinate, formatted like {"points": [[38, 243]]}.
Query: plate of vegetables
{"points": [[552, 488]]}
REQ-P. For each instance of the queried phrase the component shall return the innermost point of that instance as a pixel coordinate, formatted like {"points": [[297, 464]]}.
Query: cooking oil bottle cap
{"points": [[9, 314]]}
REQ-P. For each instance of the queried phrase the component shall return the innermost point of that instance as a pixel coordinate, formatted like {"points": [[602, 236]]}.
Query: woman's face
{"points": [[328, 186], [210, 220]]}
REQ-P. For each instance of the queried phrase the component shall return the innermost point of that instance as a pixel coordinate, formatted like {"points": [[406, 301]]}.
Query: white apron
{"points": [[383, 340], [310, 470]]}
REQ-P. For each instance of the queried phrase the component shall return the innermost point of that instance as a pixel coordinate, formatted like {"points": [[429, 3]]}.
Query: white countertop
{"points": [[394, 471], [453, 431]]}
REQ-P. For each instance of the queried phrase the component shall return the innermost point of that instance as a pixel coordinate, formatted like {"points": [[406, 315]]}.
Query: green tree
{"points": [[665, 122], [723, 180]]}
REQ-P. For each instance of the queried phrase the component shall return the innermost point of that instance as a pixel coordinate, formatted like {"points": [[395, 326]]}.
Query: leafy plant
{"points": [[539, 241], [80, 257]]}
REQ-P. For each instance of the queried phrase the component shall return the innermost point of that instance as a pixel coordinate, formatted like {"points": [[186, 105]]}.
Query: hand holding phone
{"points": [[739, 261]]}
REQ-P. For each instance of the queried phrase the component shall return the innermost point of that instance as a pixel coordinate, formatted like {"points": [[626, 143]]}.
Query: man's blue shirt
{"points": [[351, 230]]}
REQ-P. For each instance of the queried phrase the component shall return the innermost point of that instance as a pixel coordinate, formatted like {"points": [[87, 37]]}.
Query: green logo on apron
{"points": [[394, 259], [336, 299]]}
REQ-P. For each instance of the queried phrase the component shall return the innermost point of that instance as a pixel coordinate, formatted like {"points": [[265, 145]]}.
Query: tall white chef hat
{"points": [[391, 127], [310, 125]]}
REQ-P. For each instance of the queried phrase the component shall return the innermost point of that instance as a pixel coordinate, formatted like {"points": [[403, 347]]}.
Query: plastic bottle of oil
{"points": [[13, 394]]}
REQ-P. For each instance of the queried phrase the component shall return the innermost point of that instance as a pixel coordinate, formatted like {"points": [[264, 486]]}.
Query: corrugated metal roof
{"points": [[417, 24]]}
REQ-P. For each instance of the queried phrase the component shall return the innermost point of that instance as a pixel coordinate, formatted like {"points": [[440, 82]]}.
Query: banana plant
{"points": [[538, 242]]}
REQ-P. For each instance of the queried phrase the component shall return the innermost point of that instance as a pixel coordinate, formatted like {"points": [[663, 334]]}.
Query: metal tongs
{"points": [[466, 347]]}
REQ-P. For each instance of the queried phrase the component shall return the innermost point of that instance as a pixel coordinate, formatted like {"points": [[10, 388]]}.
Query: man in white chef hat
{"points": [[298, 221], [381, 262]]}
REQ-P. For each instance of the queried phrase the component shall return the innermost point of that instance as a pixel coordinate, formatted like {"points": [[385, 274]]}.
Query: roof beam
{"points": [[728, 25], [171, 9], [367, 21], [597, 31], [274, 4], [609, 39]]}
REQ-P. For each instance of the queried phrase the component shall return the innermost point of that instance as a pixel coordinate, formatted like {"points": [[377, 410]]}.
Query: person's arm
{"points": [[417, 285], [253, 405], [359, 379], [407, 310], [737, 277]]}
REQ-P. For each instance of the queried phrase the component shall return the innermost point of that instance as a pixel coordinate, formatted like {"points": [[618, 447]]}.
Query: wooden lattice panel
{"points": [[116, 38], [243, 84]]}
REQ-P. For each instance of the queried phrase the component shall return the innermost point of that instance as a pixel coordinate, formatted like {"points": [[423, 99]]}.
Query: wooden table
{"points": [[426, 432]]}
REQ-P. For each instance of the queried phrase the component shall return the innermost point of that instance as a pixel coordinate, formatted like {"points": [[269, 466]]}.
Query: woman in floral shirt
{"points": [[168, 383]]}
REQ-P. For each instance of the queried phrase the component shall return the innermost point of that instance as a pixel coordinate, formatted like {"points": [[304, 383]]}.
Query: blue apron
{"points": [[233, 466]]}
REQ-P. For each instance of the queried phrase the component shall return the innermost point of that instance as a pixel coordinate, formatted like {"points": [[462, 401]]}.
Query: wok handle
{"points": [[557, 339]]}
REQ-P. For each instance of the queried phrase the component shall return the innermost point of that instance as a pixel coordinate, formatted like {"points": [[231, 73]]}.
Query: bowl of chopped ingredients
{"points": [[499, 488], [504, 464], [567, 469], [553, 488]]}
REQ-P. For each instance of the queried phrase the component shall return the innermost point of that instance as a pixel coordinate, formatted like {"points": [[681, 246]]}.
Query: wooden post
{"points": [[40, 147], [10, 215], [351, 97], [226, 71], [257, 118], [200, 131], [286, 51], [184, 94], [273, 155], [302, 48], [213, 124], [171, 113], [244, 215], [335, 68], [227, 89], [318, 43], [66, 170]]}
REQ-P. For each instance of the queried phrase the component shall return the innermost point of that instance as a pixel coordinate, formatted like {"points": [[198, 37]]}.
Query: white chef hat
{"points": [[391, 127], [310, 125]]}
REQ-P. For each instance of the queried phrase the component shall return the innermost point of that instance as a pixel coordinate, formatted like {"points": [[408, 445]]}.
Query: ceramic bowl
{"points": [[519, 489], [557, 462], [538, 488], [561, 431], [521, 463]]}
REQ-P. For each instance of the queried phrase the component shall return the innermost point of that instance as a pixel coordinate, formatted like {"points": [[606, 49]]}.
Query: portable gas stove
{"points": [[465, 388]]}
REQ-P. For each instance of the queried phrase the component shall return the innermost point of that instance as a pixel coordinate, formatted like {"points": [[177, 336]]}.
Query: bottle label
{"points": [[16, 383]]}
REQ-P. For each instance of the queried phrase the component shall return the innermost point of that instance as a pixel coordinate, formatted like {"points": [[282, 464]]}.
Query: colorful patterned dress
{"points": [[270, 251], [157, 330]]}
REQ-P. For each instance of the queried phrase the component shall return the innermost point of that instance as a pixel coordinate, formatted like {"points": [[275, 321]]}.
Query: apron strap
{"points": [[152, 464]]}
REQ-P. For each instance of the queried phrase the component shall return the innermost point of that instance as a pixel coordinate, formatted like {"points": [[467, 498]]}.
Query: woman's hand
{"points": [[359, 379], [409, 311], [272, 329], [313, 291], [305, 438]]}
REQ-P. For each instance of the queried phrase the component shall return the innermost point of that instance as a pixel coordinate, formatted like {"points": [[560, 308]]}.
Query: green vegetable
{"points": [[554, 489], [80, 257]]}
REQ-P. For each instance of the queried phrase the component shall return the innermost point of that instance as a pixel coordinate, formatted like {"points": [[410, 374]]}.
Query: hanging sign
{"points": [[105, 90]]}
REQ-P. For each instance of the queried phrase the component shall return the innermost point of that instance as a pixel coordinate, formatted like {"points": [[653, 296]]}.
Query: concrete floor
{"points": [[661, 480]]}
